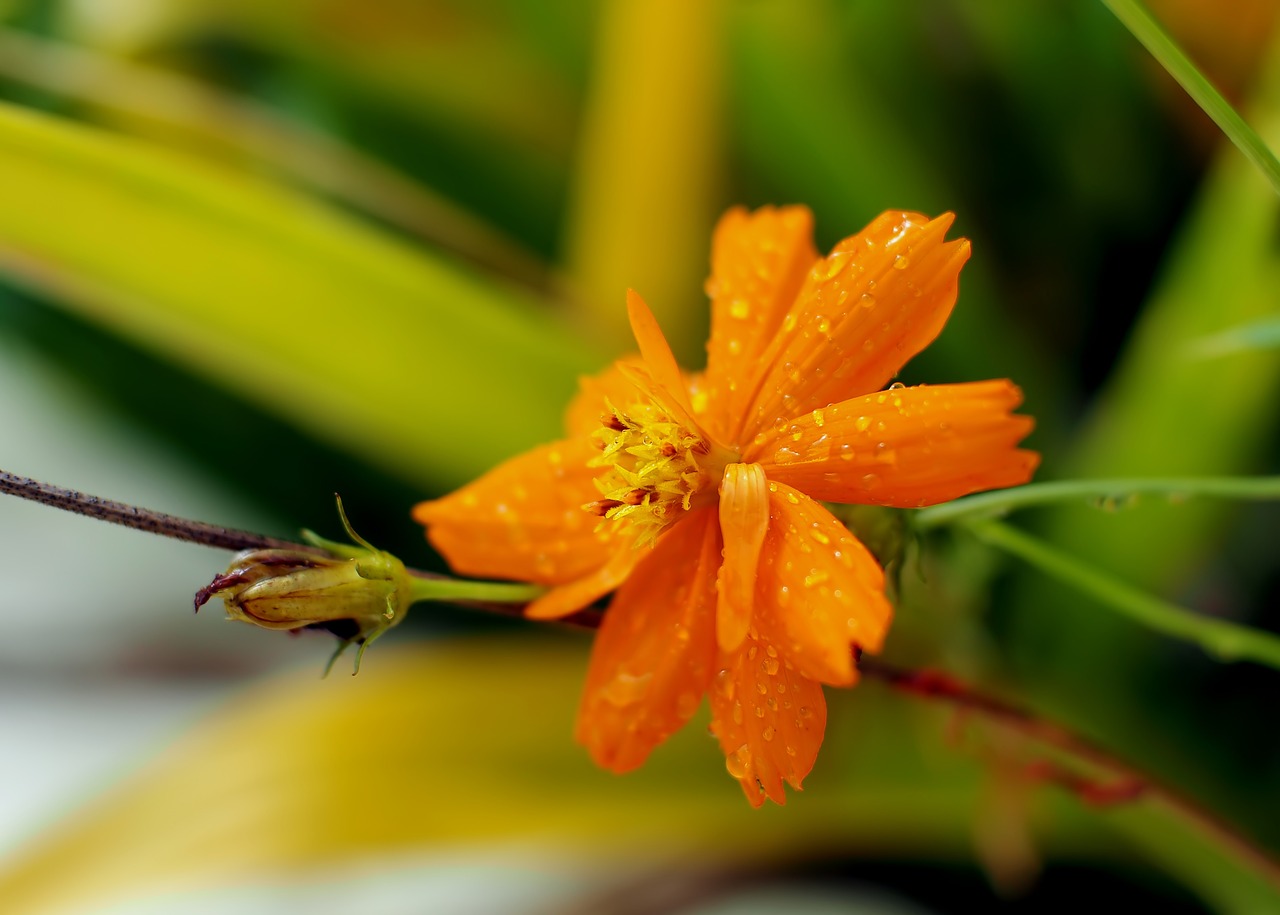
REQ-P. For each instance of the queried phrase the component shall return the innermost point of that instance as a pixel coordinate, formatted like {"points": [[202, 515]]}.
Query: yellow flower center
{"points": [[653, 468]]}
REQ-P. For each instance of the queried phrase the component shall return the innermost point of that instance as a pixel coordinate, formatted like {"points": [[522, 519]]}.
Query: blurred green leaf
{"points": [[390, 352], [1263, 334]]}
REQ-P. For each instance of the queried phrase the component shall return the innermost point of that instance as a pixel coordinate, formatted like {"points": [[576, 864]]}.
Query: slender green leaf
{"points": [[1222, 639], [1164, 49], [1106, 493]]}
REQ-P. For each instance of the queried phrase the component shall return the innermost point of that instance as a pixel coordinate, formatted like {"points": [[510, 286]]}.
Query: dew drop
{"points": [[866, 300], [897, 386], [862, 423], [786, 456], [761, 688], [738, 762], [768, 734], [770, 666], [791, 751], [740, 309], [626, 689], [737, 713], [901, 262], [759, 711], [818, 418]]}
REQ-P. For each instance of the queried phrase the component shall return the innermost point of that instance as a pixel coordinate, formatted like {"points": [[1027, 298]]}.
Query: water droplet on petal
{"points": [[626, 689], [738, 762]]}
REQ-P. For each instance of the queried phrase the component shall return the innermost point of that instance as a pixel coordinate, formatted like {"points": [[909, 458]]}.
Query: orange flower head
{"points": [[698, 498]]}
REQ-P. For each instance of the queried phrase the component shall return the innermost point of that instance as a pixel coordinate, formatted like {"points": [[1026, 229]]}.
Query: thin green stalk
{"points": [[1163, 48], [1110, 492], [485, 592], [1223, 640]]}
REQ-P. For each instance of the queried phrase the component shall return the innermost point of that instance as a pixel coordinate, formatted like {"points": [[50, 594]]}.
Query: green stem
{"points": [[1000, 502], [485, 592], [1223, 640], [1163, 48]]}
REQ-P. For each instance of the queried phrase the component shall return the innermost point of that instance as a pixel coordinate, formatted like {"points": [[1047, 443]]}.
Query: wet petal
{"points": [[758, 263], [768, 717], [905, 447], [819, 589], [582, 592], [881, 297], [523, 520], [744, 519], [655, 653]]}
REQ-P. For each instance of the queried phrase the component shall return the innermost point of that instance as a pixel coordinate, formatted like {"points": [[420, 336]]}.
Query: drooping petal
{"points": [[905, 447], [758, 263], [768, 717], [523, 520], [744, 519], [582, 592], [655, 653], [819, 589], [881, 297]]}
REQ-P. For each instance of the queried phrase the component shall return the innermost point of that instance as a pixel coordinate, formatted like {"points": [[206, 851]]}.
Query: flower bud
{"points": [[356, 592], [294, 589]]}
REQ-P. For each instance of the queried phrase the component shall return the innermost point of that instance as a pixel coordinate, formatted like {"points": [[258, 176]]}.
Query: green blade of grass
{"points": [[1001, 502], [1164, 49], [1223, 640]]}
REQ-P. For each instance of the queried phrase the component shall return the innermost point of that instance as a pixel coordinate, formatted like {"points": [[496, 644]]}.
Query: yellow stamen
{"points": [[653, 467]]}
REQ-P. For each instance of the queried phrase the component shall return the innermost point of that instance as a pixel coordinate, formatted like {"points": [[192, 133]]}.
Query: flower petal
{"points": [[581, 592], [905, 447], [758, 264], [654, 655], [656, 352], [744, 519], [819, 589], [523, 520], [769, 719], [881, 297]]}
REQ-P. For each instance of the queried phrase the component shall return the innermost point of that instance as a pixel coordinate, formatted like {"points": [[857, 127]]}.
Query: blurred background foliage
{"points": [[253, 253]]}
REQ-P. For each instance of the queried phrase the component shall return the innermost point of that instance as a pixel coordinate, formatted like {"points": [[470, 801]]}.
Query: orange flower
{"points": [[703, 493]]}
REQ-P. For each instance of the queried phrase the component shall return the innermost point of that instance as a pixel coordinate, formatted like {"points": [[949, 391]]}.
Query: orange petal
{"points": [[881, 297], [523, 520], [582, 592], [905, 447], [656, 352], [758, 264], [655, 653], [819, 588], [768, 718], [744, 519]]}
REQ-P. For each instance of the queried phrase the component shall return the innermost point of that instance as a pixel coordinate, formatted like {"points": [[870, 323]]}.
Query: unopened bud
{"points": [[356, 592]]}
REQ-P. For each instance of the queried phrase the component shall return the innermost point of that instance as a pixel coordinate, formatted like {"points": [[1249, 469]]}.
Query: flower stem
{"points": [[1222, 639], [1164, 49], [140, 519], [472, 592], [1109, 492], [1125, 783]]}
